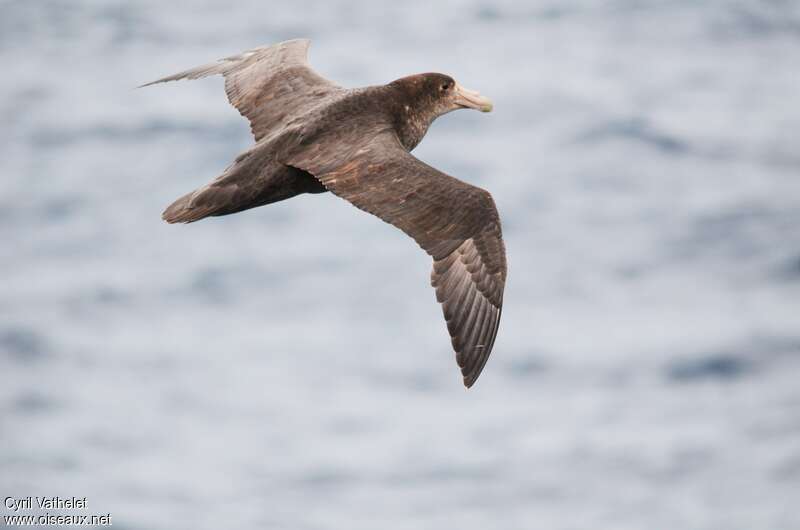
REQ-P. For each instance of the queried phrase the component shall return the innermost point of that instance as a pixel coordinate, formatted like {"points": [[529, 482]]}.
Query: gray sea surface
{"points": [[289, 368]]}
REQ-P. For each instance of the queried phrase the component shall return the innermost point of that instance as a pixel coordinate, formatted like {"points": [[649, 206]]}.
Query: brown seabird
{"points": [[314, 136]]}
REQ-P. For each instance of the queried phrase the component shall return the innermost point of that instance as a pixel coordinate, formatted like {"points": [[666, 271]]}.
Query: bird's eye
{"points": [[446, 86]]}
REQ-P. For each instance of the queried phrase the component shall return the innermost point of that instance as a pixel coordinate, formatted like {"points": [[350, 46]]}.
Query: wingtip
{"points": [[300, 40], [217, 67], [162, 80], [469, 379], [303, 43]]}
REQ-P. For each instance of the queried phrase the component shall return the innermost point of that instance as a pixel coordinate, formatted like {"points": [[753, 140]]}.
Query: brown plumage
{"points": [[314, 136]]}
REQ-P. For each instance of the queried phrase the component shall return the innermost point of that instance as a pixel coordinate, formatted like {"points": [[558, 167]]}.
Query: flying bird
{"points": [[314, 136]]}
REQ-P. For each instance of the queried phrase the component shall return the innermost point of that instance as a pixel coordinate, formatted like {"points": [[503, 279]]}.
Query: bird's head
{"points": [[420, 99], [438, 94]]}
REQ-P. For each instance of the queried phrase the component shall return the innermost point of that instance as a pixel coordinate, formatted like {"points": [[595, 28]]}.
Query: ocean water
{"points": [[288, 367]]}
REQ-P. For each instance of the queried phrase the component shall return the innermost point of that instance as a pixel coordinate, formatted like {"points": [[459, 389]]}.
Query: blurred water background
{"points": [[288, 367]]}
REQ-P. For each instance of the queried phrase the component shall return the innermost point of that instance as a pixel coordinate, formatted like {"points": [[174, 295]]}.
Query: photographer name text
{"points": [[45, 503]]}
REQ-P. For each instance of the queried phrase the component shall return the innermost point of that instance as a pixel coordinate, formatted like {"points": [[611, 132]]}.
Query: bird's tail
{"points": [[179, 211], [242, 186], [189, 209]]}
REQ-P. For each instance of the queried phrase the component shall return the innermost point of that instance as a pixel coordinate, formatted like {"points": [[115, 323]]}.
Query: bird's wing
{"points": [[454, 222], [267, 85]]}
